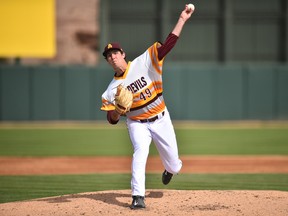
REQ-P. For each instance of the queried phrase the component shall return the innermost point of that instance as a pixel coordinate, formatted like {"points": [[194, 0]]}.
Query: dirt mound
{"points": [[159, 202]]}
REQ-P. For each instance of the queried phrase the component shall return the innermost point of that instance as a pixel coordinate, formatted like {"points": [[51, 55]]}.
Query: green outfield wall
{"points": [[192, 92]]}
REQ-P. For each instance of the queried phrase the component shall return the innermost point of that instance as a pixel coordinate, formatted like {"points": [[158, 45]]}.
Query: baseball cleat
{"points": [[166, 177], [137, 202]]}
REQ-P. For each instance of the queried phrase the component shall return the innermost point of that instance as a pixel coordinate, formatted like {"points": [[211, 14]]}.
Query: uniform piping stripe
{"points": [[144, 105], [154, 61], [154, 111], [108, 107], [124, 74], [155, 88]]}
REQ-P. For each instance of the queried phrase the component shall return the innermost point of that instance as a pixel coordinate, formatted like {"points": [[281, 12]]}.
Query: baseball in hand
{"points": [[191, 7]]}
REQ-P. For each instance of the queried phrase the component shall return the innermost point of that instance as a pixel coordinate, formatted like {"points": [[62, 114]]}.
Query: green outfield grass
{"points": [[115, 142], [16, 188]]}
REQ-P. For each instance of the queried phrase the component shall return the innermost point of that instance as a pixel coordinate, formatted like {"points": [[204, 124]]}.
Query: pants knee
{"points": [[174, 168]]}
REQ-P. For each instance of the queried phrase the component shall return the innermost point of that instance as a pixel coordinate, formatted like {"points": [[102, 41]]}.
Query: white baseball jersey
{"points": [[143, 77]]}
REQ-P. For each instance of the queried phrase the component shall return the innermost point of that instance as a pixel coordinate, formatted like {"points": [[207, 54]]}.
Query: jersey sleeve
{"points": [[167, 45], [153, 53], [107, 102]]}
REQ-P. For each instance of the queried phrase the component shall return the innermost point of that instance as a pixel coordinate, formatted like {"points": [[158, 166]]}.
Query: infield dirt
{"points": [[191, 164]]}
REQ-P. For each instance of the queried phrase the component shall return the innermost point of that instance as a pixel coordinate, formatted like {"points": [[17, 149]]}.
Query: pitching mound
{"points": [[159, 202]]}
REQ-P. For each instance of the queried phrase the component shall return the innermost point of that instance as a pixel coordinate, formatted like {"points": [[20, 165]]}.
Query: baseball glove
{"points": [[123, 100]]}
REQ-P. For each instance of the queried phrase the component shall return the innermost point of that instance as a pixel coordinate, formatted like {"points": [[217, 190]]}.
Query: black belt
{"points": [[151, 119]]}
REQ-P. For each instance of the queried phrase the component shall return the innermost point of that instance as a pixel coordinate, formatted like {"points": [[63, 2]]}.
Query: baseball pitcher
{"points": [[136, 93]]}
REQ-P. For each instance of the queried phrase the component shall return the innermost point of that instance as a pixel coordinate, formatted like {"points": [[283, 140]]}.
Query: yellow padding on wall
{"points": [[27, 28]]}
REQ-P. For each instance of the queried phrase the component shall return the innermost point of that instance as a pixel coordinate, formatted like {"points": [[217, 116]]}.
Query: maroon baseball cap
{"points": [[112, 46]]}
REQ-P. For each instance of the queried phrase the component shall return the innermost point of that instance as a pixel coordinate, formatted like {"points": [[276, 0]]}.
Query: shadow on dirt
{"points": [[106, 197]]}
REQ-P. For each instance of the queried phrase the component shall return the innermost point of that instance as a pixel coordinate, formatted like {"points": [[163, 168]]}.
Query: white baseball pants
{"points": [[162, 133]]}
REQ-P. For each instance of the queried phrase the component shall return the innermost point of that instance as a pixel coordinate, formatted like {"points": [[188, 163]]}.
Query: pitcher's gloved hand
{"points": [[123, 100]]}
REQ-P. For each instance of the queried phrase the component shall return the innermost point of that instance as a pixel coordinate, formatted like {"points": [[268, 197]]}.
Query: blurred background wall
{"points": [[229, 64]]}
